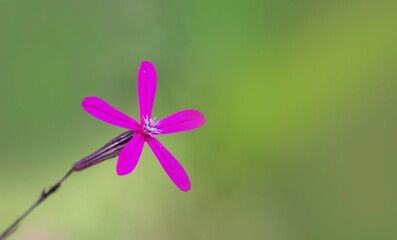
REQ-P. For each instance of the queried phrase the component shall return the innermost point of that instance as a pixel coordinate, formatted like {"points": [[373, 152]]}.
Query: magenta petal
{"points": [[171, 166], [147, 82], [181, 121], [130, 154], [103, 111]]}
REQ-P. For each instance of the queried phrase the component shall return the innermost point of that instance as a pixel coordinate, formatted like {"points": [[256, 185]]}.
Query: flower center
{"points": [[149, 127]]}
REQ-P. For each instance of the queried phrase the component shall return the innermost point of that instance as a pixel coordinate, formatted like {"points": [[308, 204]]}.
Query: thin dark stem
{"points": [[42, 197], [110, 150]]}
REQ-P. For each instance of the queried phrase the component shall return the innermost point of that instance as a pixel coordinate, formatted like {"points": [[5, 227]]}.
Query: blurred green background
{"points": [[299, 97]]}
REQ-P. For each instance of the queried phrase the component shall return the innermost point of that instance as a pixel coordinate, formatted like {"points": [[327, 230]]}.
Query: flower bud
{"points": [[110, 150]]}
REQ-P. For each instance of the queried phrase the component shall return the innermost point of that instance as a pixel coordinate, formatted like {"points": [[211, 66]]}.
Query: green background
{"points": [[299, 97]]}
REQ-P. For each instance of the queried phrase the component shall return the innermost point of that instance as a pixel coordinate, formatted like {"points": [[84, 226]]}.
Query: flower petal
{"points": [[171, 166], [103, 111], [147, 82], [181, 121], [129, 156]]}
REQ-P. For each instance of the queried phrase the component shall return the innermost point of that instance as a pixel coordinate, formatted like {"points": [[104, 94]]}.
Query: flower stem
{"points": [[110, 150], [42, 197]]}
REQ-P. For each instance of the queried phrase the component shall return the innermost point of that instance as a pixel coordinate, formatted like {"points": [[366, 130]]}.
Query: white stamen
{"points": [[149, 126]]}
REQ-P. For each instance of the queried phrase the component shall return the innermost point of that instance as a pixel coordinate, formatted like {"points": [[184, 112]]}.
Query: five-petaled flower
{"points": [[145, 131]]}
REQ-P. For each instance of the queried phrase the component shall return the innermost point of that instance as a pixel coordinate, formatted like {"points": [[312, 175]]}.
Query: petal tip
{"points": [[121, 171], [148, 66], [86, 101], [202, 118], [185, 188], [121, 168], [91, 101], [185, 185]]}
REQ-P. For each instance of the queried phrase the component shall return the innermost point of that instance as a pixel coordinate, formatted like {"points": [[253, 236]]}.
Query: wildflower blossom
{"points": [[148, 127]]}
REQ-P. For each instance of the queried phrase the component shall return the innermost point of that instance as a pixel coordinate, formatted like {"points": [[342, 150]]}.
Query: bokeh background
{"points": [[299, 97]]}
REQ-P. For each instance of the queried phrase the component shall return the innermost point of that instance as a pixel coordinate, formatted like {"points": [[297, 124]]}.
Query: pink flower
{"points": [[148, 128]]}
